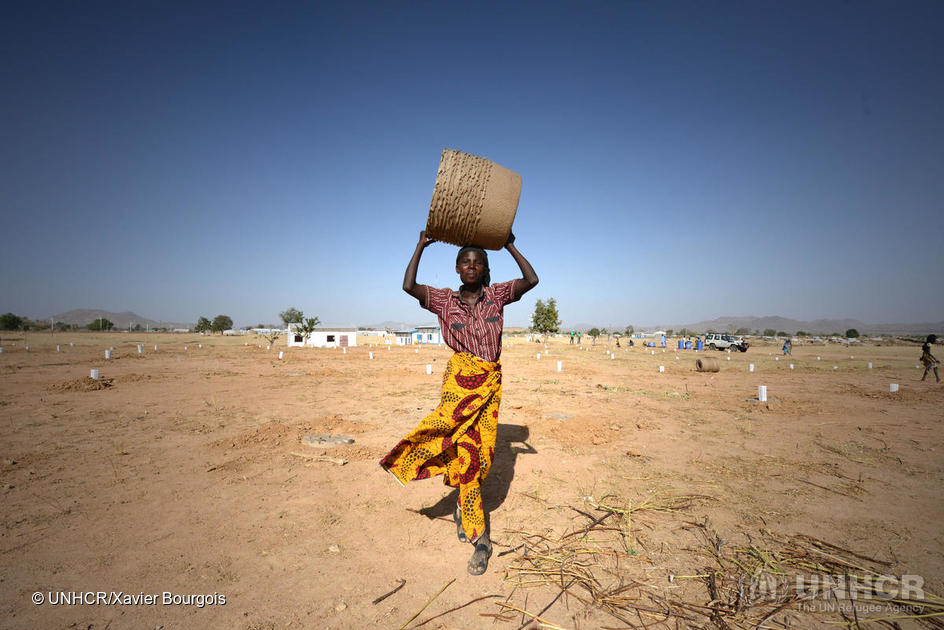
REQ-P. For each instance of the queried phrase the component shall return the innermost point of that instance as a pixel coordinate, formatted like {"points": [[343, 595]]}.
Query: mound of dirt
{"points": [[349, 452], [337, 424], [329, 372], [86, 384], [271, 434], [910, 392], [279, 434], [582, 432], [135, 378]]}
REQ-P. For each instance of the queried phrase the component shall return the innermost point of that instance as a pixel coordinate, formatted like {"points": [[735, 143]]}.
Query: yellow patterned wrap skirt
{"points": [[457, 440]]}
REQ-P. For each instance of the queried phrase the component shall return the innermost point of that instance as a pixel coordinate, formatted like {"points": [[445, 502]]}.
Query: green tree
{"points": [[852, 333], [221, 323], [684, 332], [306, 327], [594, 332], [802, 333], [630, 330], [782, 334], [101, 324], [9, 321], [669, 332], [742, 331], [769, 332], [545, 318], [291, 315], [203, 325]]}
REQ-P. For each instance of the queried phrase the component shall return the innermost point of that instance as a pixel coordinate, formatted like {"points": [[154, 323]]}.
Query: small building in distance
{"points": [[268, 331], [429, 335], [654, 333], [323, 338], [420, 335]]}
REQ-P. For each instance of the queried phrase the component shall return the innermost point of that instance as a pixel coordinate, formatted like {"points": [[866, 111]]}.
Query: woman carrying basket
{"points": [[457, 440]]}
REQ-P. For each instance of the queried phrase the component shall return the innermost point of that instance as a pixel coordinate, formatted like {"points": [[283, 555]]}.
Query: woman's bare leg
{"points": [[457, 517], [483, 551]]}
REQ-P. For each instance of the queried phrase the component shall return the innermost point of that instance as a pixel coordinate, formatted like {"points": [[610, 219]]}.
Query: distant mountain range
{"points": [[83, 317], [392, 325], [818, 326], [126, 319]]}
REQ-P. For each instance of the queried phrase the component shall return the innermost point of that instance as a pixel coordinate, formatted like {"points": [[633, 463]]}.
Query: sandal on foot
{"points": [[479, 560], [460, 532]]}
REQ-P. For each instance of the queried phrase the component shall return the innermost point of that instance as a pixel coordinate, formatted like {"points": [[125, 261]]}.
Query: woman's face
{"points": [[471, 268]]}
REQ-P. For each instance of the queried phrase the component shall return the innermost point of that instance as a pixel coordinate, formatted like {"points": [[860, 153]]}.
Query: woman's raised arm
{"points": [[529, 279], [409, 278]]}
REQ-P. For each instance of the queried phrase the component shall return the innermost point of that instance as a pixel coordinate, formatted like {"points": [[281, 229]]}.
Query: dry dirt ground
{"points": [[185, 473]]}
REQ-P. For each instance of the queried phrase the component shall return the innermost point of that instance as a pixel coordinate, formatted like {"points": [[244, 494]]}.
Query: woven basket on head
{"points": [[474, 201]]}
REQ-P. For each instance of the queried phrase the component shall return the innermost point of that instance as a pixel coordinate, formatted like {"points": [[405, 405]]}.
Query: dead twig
{"points": [[321, 458], [452, 610], [553, 601], [431, 599], [386, 595], [816, 485], [532, 615]]}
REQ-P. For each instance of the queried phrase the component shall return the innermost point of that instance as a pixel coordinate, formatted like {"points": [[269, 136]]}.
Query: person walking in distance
{"points": [[929, 360]]}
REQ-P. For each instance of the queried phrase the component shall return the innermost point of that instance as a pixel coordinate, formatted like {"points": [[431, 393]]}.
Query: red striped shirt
{"points": [[478, 329]]}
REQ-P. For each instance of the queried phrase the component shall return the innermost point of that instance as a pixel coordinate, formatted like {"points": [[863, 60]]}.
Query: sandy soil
{"points": [[184, 472]]}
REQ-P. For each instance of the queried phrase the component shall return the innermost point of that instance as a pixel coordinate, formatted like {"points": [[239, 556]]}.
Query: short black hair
{"points": [[932, 338], [487, 278]]}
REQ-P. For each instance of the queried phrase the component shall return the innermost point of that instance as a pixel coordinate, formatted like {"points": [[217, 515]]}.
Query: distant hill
{"points": [[907, 329], [388, 325], [83, 317], [391, 325], [818, 326], [752, 323]]}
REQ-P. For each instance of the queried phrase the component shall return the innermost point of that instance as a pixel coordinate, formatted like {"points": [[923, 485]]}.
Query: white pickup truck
{"points": [[724, 341]]}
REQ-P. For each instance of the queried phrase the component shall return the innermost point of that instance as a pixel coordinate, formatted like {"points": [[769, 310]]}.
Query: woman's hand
{"points": [[425, 241], [511, 239]]}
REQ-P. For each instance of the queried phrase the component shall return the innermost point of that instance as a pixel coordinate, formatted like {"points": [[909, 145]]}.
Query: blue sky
{"points": [[680, 161]]}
